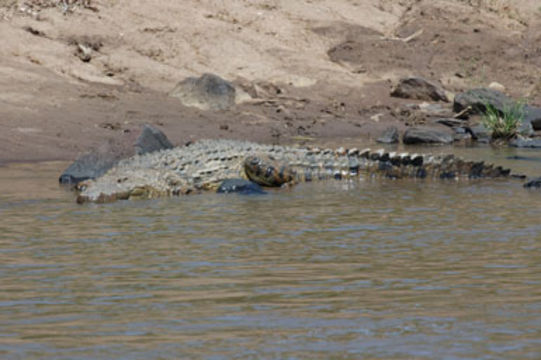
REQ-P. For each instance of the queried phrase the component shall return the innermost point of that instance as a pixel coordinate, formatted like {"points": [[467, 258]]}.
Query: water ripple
{"points": [[379, 269]]}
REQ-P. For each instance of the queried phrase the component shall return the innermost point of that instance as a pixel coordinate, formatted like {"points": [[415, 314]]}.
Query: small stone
{"points": [[208, 92], [436, 109], [421, 135], [420, 89], [84, 52], [479, 132], [450, 122], [240, 186], [462, 134], [389, 136], [496, 86]]}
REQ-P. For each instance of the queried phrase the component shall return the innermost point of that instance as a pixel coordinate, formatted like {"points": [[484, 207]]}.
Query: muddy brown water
{"points": [[371, 269]]}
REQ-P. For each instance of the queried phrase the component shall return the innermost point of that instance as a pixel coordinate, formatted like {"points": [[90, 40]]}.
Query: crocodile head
{"points": [[266, 171]]}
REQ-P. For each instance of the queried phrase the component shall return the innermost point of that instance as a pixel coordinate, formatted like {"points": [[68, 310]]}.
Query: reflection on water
{"points": [[376, 269]]}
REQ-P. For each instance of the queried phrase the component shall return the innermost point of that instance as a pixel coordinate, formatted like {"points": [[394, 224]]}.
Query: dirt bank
{"points": [[72, 76]]}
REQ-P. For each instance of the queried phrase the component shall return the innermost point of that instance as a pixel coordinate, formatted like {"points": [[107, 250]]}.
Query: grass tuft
{"points": [[504, 125]]}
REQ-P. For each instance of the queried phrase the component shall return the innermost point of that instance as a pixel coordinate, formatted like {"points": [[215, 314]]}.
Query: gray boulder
{"points": [[420, 89], [208, 92], [96, 162], [92, 165], [477, 99], [422, 135], [389, 136], [150, 140]]}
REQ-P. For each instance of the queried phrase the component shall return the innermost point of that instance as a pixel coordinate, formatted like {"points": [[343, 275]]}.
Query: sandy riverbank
{"points": [[325, 67]]}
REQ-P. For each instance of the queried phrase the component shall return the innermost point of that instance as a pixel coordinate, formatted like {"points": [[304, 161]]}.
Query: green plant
{"points": [[504, 124]]}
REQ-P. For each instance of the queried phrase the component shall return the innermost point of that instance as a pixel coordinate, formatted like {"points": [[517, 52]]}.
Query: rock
{"points": [[436, 110], [480, 133], [150, 140], [91, 165], [462, 134], [533, 115], [421, 135], [96, 162], [525, 128], [208, 92], [389, 136], [450, 122], [496, 86], [240, 186], [419, 89], [84, 52], [521, 142], [533, 183], [477, 99]]}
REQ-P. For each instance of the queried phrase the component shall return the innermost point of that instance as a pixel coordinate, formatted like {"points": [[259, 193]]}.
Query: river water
{"points": [[371, 269]]}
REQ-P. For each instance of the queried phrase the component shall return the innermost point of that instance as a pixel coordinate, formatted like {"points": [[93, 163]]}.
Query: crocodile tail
{"points": [[267, 171], [400, 165]]}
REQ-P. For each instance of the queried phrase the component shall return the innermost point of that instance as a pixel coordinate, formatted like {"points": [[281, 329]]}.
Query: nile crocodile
{"points": [[205, 164]]}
